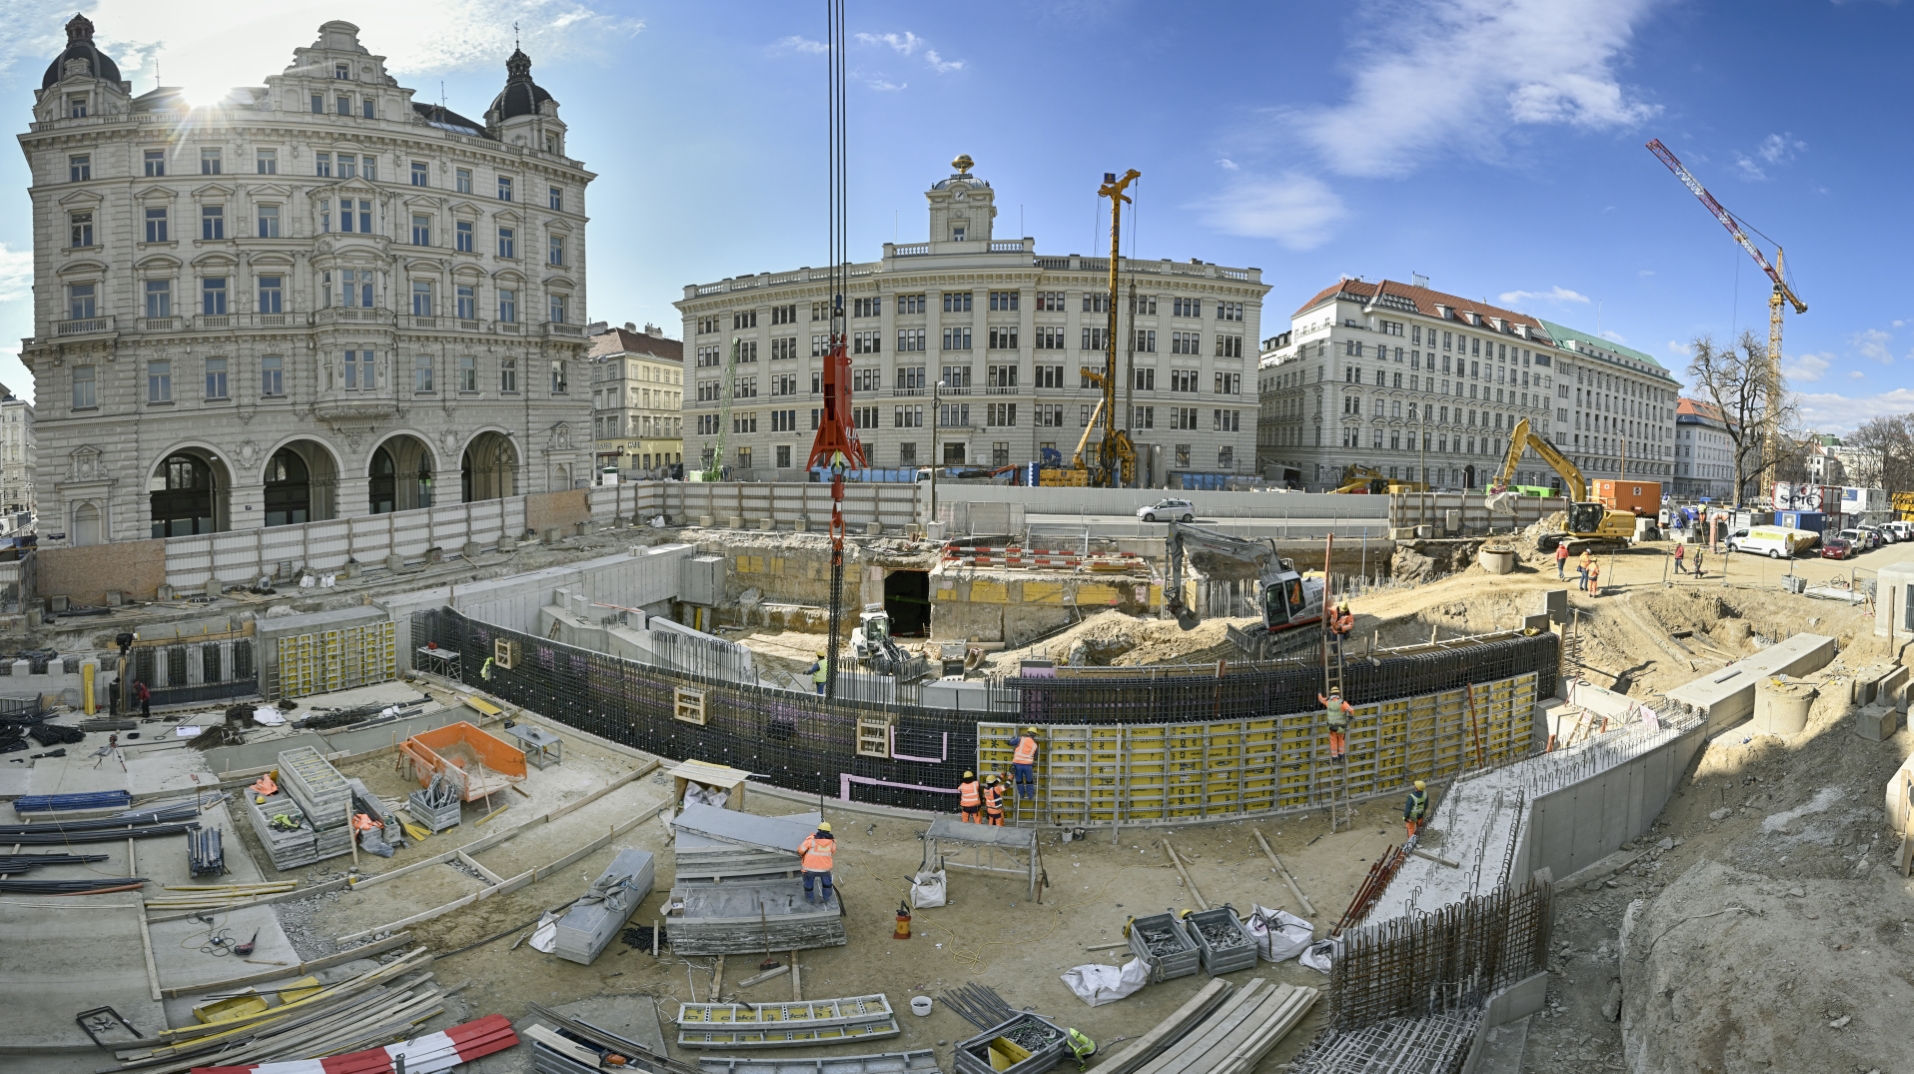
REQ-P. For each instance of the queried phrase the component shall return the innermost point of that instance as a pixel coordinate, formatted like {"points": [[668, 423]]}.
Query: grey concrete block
{"points": [[1519, 1000], [1877, 723]]}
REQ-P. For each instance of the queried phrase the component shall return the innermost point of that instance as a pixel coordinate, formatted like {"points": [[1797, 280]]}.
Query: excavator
{"points": [[1288, 598], [1592, 526], [1359, 479]]}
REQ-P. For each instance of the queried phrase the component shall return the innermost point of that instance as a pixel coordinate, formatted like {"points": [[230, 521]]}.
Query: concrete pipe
{"points": [[1781, 706], [1497, 560]]}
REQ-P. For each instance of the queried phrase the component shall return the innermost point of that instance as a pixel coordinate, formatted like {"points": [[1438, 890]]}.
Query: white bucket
{"points": [[920, 1006]]}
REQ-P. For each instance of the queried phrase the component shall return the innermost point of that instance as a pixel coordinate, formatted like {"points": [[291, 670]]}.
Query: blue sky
{"points": [[1492, 145]]}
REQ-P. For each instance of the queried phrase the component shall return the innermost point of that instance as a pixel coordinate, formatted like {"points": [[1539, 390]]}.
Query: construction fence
{"points": [[1250, 741]]}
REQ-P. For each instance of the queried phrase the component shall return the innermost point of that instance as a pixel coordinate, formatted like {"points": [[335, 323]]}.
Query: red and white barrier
{"points": [[433, 1053]]}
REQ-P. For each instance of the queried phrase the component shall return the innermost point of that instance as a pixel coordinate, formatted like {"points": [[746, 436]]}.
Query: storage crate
{"points": [[1165, 929], [1236, 953], [436, 818], [973, 1055]]}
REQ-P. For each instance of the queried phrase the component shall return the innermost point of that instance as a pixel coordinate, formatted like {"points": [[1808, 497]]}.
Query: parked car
{"points": [[1168, 511], [1861, 539], [1902, 530], [1883, 534], [1836, 548], [1775, 542]]}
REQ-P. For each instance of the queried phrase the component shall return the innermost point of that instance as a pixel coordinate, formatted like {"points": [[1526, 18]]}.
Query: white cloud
{"points": [[941, 65], [1855, 374], [905, 43], [1440, 74], [882, 84], [1806, 368], [16, 273], [1748, 169], [1613, 336], [1776, 148], [1872, 343], [1646, 272], [1681, 350], [1899, 324], [1835, 413], [1556, 294], [1228, 165], [1296, 210], [798, 43], [909, 44]]}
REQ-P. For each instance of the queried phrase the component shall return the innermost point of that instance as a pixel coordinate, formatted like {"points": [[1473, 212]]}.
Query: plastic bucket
{"points": [[920, 1006]]}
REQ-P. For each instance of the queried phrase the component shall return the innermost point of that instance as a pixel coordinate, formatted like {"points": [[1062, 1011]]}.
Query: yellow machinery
{"points": [[1113, 465], [1592, 526], [1368, 479]]}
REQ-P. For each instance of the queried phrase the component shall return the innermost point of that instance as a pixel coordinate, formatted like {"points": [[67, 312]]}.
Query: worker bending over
{"points": [[1341, 622], [1336, 713], [970, 797], [1416, 808], [818, 850], [1024, 762], [994, 803]]}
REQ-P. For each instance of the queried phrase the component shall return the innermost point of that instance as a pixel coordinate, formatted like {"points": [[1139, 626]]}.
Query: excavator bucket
{"points": [[1502, 503]]}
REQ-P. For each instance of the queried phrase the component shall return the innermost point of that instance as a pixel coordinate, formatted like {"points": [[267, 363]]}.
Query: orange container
{"points": [[1641, 497], [478, 762]]}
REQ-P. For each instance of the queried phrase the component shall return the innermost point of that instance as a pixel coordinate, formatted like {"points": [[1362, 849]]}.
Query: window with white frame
{"points": [[272, 376], [159, 381], [212, 222], [79, 229], [85, 386], [216, 379], [267, 218], [159, 298]]}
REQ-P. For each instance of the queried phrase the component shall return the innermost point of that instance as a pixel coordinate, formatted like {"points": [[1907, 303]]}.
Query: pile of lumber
{"points": [[1241, 1029], [215, 896], [738, 889], [576, 1047]]}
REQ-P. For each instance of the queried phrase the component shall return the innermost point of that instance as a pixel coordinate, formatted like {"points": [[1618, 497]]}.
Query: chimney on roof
{"points": [[629, 327], [654, 330]]}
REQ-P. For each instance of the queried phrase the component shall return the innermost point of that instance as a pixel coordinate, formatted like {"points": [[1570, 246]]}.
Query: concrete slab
{"points": [[67, 955], [1500, 1051], [1727, 696]]}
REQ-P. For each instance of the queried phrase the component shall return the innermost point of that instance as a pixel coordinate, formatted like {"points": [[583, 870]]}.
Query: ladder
{"points": [[1332, 688]]}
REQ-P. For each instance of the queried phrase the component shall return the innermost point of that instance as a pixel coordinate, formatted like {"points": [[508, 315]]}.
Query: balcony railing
{"points": [[83, 326], [424, 321], [564, 331], [902, 393], [159, 324], [1002, 389]]}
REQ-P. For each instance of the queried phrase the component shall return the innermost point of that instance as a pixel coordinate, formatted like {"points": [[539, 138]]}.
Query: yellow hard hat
{"points": [[970, 775], [823, 825], [1420, 784], [820, 652], [1029, 730]]}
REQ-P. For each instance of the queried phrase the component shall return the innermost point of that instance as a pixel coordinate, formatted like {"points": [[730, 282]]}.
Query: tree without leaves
{"points": [[1890, 438], [1734, 379]]}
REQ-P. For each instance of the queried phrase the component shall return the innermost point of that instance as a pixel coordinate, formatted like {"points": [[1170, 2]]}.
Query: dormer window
{"points": [[342, 70], [76, 108]]}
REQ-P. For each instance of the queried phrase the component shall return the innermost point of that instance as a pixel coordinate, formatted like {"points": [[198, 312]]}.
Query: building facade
{"points": [[317, 298], [1614, 407], [637, 399], [978, 343], [1704, 454], [16, 461], [1420, 385]]}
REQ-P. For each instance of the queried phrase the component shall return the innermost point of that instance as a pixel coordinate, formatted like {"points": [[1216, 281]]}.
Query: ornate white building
{"points": [[637, 398], [1004, 331], [317, 298], [16, 459]]}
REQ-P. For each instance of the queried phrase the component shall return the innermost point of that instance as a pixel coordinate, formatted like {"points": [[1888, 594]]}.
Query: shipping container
{"points": [[1802, 520], [1641, 497]]}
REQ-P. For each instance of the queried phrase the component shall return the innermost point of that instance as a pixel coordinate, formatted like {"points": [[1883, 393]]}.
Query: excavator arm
{"points": [[1523, 438], [1218, 544]]}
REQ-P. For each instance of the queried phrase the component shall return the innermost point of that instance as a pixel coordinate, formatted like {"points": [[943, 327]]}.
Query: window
{"points": [[1186, 342], [1096, 303], [212, 221], [322, 165], [558, 203], [784, 315], [212, 296], [559, 386], [268, 221], [1233, 311], [421, 230], [907, 417], [342, 71], [1049, 339], [508, 376], [1049, 376], [1229, 384], [209, 161], [557, 252], [910, 339], [462, 236], [1143, 340], [266, 161], [80, 229], [468, 374], [348, 166], [559, 302], [1001, 415], [871, 342], [786, 349], [318, 103], [1003, 300], [79, 168], [421, 298], [507, 242], [1093, 338], [786, 421], [956, 339], [1226, 421], [80, 301], [462, 180], [744, 319], [1144, 305], [421, 373], [504, 189], [1002, 376], [357, 289], [957, 302], [910, 379], [83, 388], [155, 162], [159, 381], [1003, 339], [508, 306], [159, 298], [1050, 301], [76, 108], [1146, 380], [369, 108], [342, 104], [1226, 458], [1184, 380], [908, 304], [1186, 307], [365, 215], [272, 375], [1229, 346], [216, 378], [467, 299], [866, 307]]}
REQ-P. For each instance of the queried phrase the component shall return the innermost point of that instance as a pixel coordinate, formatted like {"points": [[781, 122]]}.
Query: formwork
{"points": [[335, 659]]}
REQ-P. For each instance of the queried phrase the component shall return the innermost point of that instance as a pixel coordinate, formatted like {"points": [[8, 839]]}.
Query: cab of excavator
{"points": [[1282, 600], [1585, 517]]}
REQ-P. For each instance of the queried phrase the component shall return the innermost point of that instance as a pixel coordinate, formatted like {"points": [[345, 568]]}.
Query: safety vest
{"points": [[1336, 714], [364, 823], [820, 672], [817, 853], [967, 791], [993, 799], [1418, 804], [1026, 751], [1586, 559], [1081, 1046]]}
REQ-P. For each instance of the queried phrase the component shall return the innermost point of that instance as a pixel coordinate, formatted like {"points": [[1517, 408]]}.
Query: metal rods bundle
{"points": [[980, 1005], [20, 863], [92, 886]]}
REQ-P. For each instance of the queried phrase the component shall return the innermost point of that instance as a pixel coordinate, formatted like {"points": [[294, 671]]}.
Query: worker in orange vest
{"points": [[1341, 622], [1336, 713], [970, 797], [818, 850], [994, 803], [1024, 762]]}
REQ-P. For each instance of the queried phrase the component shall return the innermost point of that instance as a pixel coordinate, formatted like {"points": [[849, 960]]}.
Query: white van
{"points": [[1775, 542]]}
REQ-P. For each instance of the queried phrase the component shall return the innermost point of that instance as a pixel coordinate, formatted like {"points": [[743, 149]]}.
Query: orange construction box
{"points": [[479, 763], [1641, 497]]}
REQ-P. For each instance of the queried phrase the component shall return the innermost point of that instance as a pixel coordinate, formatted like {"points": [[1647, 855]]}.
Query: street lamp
{"points": [[935, 391]]}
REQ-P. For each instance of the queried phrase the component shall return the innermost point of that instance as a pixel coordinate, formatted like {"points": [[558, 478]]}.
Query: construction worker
{"points": [[1024, 762], [1341, 622], [144, 697], [1081, 1047], [994, 803], [819, 671], [1416, 808], [818, 850], [1594, 579], [1561, 562], [1336, 713], [1681, 557], [1583, 565], [970, 798]]}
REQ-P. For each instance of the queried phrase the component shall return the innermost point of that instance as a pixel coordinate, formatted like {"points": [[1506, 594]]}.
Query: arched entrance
{"points": [[188, 493], [301, 484], [489, 468], [400, 475], [1468, 477]]}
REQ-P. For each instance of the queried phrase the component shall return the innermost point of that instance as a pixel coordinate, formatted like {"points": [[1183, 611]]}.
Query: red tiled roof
{"points": [[1698, 409], [621, 341], [1425, 302]]}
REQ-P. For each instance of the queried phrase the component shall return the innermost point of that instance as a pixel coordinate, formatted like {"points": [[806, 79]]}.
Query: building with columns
{"points": [[316, 298], [979, 343], [1423, 385]]}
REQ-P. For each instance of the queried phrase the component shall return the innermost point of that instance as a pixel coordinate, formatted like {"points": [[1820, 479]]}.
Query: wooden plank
{"points": [[146, 943], [263, 900], [1169, 1030], [480, 869], [1281, 868], [301, 970]]}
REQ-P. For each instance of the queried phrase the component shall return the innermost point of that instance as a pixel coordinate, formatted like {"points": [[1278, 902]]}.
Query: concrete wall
{"points": [[83, 575], [1225, 505], [1578, 825], [1726, 697], [1894, 590], [559, 511], [268, 632], [1000, 607]]}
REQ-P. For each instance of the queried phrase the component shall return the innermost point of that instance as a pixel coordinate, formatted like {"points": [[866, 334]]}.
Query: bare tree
{"points": [[1891, 441], [1735, 379]]}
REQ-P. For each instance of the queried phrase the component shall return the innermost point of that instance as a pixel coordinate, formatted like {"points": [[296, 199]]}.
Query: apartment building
{"points": [[637, 399], [1704, 454], [1614, 407], [16, 460], [979, 343]]}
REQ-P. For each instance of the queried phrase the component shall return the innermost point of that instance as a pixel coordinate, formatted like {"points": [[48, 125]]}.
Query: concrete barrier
{"points": [[1727, 697]]}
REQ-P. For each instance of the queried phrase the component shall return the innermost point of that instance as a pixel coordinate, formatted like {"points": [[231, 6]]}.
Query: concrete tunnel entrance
{"points": [[907, 600]]}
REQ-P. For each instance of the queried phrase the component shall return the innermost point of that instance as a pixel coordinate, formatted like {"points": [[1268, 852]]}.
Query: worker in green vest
{"points": [[820, 671], [1416, 808], [1081, 1047]]}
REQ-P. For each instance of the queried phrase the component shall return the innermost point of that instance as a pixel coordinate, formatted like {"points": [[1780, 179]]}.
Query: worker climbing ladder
{"points": [[1333, 645]]}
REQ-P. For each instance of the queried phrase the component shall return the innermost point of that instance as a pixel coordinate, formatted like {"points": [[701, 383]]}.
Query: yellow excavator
{"points": [[1592, 526], [1367, 479], [1079, 473]]}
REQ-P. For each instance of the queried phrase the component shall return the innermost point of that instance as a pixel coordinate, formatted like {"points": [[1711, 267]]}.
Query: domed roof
{"points": [[79, 46], [521, 96]]}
